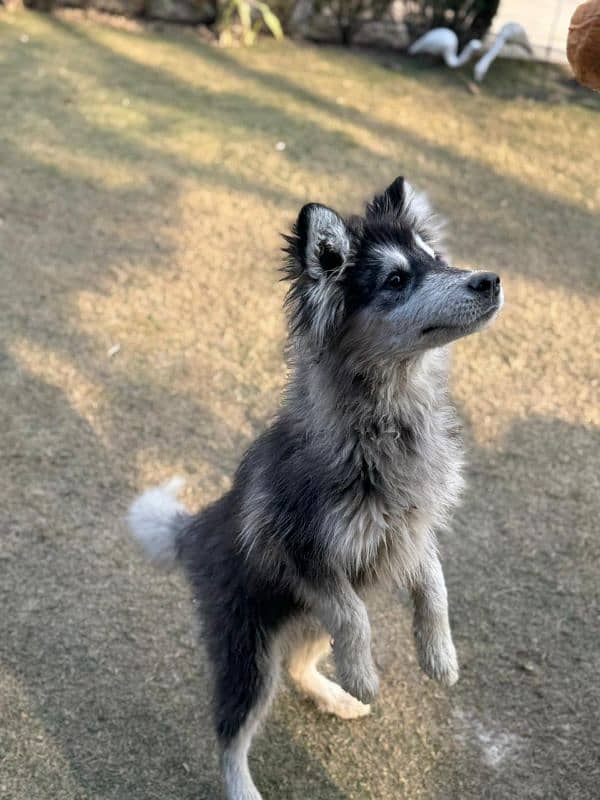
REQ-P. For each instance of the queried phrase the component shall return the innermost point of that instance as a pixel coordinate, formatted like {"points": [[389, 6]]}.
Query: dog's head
{"points": [[377, 286]]}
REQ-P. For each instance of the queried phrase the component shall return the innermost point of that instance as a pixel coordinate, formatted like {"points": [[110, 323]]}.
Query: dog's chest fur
{"points": [[408, 478], [345, 482]]}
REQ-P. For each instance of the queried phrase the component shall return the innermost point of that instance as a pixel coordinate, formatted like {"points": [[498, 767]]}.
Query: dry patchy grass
{"points": [[141, 196]]}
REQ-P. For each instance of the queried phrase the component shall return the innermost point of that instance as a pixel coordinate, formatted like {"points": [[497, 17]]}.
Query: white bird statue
{"points": [[444, 42], [511, 33]]}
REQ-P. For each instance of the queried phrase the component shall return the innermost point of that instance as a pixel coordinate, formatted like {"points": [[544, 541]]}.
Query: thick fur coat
{"points": [[351, 482]]}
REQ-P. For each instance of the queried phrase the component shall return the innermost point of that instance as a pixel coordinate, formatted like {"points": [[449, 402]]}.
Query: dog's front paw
{"points": [[360, 680], [437, 658]]}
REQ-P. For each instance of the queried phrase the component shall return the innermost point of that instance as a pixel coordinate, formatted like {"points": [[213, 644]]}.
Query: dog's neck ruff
{"points": [[388, 441], [391, 400]]}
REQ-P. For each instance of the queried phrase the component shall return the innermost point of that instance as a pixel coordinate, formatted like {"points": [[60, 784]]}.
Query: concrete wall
{"points": [[546, 23]]}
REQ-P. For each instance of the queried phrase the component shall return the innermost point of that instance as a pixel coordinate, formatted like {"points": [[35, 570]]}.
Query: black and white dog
{"points": [[348, 486]]}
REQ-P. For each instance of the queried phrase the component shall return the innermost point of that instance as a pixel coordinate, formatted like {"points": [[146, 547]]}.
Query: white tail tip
{"points": [[155, 520]]}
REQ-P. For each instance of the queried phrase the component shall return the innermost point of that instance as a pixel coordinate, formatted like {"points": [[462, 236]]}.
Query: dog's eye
{"points": [[397, 280]]}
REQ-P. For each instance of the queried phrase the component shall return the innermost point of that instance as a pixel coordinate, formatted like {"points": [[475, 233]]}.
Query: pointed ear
{"points": [[400, 201], [390, 203], [320, 241]]}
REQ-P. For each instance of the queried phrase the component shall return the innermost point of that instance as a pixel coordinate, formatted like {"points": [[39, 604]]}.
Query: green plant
{"points": [[351, 15], [467, 18], [284, 11], [245, 19]]}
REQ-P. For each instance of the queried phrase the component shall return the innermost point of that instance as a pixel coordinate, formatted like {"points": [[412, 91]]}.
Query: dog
{"points": [[349, 485]]}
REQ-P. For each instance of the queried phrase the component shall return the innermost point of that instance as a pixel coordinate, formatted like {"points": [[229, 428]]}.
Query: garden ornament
{"points": [[510, 33], [444, 42]]}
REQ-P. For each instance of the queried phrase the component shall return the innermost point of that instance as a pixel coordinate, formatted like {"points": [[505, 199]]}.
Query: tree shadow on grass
{"points": [[105, 650], [103, 646], [523, 578], [490, 201]]}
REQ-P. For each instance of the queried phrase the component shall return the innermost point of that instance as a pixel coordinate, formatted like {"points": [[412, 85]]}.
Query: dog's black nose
{"points": [[485, 283]]}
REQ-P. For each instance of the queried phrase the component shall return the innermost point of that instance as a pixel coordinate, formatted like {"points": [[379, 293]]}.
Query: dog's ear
{"points": [[402, 203], [401, 200], [320, 242], [319, 249], [389, 203]]}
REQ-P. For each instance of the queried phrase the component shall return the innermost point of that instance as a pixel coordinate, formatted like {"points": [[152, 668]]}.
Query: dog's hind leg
{"points": [[247, 676], [305, 653]]}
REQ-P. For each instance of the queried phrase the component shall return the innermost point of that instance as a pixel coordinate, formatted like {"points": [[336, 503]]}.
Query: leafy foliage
{"points": [[469, 19], [284, 11], [245, 19]]}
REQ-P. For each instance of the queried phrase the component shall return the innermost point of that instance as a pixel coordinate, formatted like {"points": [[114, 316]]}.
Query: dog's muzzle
{"points": [[485, 284]]}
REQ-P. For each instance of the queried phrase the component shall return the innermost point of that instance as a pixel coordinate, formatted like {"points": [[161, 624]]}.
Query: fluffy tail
{"points": [[156, 519]]}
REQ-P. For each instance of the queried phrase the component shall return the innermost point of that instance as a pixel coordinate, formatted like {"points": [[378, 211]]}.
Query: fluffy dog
{"points": [[350, 483]]}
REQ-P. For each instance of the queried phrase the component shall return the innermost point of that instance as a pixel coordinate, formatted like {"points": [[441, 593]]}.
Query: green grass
{"points": [[141, 200]]}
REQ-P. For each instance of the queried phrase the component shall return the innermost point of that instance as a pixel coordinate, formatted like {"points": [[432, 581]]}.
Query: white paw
{"points": [[342, 704]]}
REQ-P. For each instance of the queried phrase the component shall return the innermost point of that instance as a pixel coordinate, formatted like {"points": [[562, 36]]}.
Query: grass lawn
{"points": [[141, 200]]}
